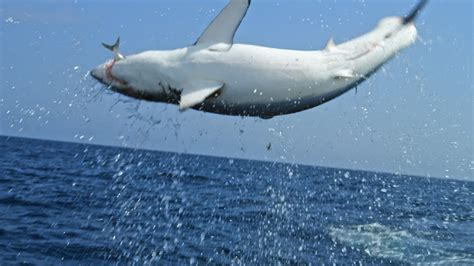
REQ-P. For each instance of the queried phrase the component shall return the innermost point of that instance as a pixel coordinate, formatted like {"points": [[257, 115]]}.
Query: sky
{"points": [[415, 116]]}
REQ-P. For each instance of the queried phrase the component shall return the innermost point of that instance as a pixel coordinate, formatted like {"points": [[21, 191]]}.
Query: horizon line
{"points": [[465, 179]]}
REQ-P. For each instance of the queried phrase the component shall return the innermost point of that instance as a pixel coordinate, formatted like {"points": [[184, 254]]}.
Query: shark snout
{"points": [[99, 74]]}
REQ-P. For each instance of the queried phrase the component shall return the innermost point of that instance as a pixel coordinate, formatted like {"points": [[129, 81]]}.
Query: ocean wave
{"points": [[17, 201], [82, 204], [381, 241]]}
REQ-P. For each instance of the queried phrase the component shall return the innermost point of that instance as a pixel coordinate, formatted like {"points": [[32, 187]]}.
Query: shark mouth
{"points": [[108, 72]]}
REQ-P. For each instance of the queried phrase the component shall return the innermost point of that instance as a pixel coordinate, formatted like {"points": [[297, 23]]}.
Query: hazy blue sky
{"points": [[415, 116]]}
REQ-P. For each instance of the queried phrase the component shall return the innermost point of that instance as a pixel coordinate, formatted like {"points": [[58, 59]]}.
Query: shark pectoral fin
{"points": [[196, 92], [345, 74], [222, 29]]}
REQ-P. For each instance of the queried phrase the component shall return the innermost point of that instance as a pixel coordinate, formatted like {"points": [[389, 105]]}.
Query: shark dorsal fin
{"points": [[219, 35]]}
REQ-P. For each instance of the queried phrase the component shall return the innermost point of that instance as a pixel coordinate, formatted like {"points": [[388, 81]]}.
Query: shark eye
{"points": [[388, 35]]}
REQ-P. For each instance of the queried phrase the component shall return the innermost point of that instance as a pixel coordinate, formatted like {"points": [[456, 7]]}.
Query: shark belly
{"points": [[267, 82]]}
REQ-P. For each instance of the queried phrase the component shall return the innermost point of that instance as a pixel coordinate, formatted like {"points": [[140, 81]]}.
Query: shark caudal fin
{"points": [[415, 12]]}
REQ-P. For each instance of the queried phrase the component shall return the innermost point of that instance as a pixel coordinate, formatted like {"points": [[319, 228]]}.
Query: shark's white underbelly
{"points": [[265, 82]]}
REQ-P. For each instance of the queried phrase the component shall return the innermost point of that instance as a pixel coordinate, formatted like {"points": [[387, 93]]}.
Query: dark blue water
{"points": [[71, 203]]}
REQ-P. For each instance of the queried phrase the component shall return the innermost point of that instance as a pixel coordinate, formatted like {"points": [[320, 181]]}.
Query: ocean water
{"points": [[63, 203]]}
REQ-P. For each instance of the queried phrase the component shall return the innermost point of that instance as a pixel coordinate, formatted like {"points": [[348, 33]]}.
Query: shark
{"points": [[219, 76]]}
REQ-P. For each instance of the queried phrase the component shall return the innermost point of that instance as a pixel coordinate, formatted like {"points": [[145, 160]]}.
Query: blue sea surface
{"points": [[63, 203]]}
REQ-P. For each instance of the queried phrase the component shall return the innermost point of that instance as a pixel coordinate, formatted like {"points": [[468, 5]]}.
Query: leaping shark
{"points": [[219, 76]]}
